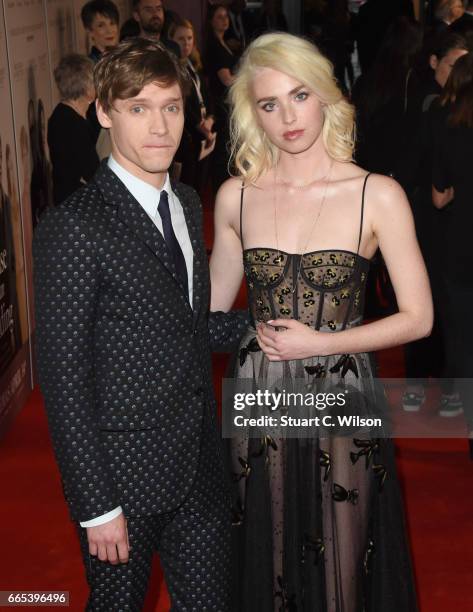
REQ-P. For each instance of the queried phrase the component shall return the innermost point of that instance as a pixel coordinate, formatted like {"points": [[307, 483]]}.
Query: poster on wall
{"points": [[31, 99], [82, 42], [60, 35], [15, 362]]}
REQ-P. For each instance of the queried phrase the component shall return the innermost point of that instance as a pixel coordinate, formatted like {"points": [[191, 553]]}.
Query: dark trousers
{"points": [[459, 343], [193, 542]]}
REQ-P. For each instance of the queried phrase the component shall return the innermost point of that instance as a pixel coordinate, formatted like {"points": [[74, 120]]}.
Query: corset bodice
{"points": [[323, 289]]}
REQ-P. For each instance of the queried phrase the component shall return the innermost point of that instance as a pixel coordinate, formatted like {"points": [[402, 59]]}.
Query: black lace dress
{"points": [[318, 523]]}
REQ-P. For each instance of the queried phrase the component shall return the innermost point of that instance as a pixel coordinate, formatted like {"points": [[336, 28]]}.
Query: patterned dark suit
{"points": [[124, 365]]}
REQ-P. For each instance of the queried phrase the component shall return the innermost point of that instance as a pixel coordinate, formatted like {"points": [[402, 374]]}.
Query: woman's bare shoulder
{"points": [[379, 187], [232, 191]]}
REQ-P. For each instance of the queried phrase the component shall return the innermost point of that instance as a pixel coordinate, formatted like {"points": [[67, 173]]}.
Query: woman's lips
{"points": [[293, 135]]}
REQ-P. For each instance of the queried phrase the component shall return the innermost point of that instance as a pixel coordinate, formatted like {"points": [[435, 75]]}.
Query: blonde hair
{"points": [[251, 151]]}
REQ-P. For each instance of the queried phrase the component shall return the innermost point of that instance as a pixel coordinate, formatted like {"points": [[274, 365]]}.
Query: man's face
{"points": [[456, 10], [146, 130], [150, 15]]}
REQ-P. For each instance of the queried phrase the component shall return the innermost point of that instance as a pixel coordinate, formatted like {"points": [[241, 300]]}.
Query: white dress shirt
{"points": [[148, 197]]}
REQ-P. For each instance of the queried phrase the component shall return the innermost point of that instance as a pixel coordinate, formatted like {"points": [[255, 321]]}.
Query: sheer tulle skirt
{"points": [[318, 523]]}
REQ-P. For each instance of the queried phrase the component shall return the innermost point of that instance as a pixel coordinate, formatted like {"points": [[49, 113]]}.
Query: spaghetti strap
{"points": [[241, 215], [362, 212], [357, 271]]}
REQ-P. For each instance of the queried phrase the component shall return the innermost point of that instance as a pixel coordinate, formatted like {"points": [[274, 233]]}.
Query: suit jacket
{"points": [[463, 25], [124, 361]]}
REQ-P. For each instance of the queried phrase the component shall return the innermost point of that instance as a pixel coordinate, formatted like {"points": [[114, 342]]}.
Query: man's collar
{"points": [[147, 195]]}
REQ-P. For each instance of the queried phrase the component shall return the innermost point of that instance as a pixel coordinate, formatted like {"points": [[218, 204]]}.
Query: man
{"points": [[100, 19], [150, 16], [122, 295], [446, 12], [464, 24]]}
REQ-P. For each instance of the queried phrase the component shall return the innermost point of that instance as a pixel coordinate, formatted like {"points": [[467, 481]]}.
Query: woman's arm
{"points": [[442, 198], [389, 216], [226, 262]]}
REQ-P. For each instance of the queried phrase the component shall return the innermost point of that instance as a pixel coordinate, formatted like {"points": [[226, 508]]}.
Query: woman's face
{"points": [[220, 22], [103, 32], [443, 67], [184, 37], [290, 113]]}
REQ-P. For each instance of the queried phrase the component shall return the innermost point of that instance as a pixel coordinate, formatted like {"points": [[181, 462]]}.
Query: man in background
{"points": [[150, 17]]}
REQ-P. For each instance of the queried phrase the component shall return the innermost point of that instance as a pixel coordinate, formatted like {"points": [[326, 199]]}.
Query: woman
{"points": [[384, 125], [198, 120], [318, 522], [100, 19], [452, 182], [433, 356], [219, 65], [70, 138]]}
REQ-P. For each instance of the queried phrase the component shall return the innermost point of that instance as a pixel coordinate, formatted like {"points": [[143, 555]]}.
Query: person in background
{"points": [[329, 25], [41, 180], [453, 183], [199, 121], [380, 97], [10, 337], [219, 62], [433, 356], [464, 24], [70, 139], [448, 11], [374, 18], [18, 244], [239, 32], [100, 19], [271, 18], [150, 17]]}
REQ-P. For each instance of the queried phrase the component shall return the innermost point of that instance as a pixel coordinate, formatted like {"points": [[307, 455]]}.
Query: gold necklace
{"points": [[322, 202]]}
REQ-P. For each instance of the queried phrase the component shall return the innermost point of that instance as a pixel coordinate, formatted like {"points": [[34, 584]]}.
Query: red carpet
{"points": [[39, 549]]}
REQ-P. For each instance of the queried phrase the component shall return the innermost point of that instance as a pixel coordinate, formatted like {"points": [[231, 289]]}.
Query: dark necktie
{"points": [[172, 242]]}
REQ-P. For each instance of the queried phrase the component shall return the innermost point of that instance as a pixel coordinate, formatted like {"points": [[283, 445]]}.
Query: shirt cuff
{"points": [[105, 518]]}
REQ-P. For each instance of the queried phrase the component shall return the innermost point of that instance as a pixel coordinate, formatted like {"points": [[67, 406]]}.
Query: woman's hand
{"points": [[295, 341]]}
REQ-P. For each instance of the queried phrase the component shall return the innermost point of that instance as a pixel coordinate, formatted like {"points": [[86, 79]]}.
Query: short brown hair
{"points": [[122, 72], [74, 76]]}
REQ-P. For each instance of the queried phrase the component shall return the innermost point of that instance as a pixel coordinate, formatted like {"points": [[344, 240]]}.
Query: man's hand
{"points": [[109, 542]]}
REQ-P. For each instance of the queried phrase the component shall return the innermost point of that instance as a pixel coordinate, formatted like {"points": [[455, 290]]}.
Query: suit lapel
{"points": [[134, 217]]}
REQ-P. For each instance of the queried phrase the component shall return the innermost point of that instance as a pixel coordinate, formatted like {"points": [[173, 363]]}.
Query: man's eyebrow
{"points": [[272, 98], [148, 101]]}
